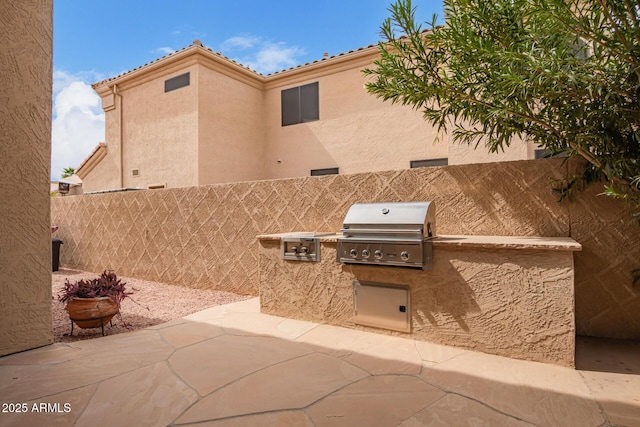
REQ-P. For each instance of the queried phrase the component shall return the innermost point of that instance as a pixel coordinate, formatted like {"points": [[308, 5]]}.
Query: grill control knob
{"points": [[353, 253], [304, 249], [404, 255], [377, 254], [365, 253], [294, 249]]}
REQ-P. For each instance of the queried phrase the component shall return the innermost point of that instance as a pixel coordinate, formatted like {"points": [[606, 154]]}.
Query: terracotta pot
{"points": [[91, 312]]}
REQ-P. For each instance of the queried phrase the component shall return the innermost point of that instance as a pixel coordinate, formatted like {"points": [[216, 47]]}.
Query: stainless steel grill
{"points": [[392, 234]]}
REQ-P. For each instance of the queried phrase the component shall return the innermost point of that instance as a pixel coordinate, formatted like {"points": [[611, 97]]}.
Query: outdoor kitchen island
{"points": [[503, 295]]}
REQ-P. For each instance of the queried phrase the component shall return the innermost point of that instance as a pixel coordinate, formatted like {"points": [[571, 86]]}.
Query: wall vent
{"points": [[135, 172], [428, 163], [177, 82]]}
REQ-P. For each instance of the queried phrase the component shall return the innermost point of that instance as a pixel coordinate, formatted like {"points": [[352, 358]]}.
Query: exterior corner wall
{"points": [[149, 130], [25, 163], [160, 132], [230, 129], [607, 304]]}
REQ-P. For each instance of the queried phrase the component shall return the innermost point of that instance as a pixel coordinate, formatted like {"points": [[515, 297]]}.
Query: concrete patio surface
{"points": [[233, 366]]}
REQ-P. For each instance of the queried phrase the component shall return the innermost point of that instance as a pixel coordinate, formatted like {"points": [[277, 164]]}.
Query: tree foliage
{"points": [[67, 172], [563, 73]]}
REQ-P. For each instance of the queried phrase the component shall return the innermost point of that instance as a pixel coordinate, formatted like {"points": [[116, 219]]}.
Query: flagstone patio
{"points": [[233, 366]]}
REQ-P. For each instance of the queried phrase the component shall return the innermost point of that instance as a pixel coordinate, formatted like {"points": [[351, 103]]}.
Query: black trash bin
{"points": [[55, 253]]}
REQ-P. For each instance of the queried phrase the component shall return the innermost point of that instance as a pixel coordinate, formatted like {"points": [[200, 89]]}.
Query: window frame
{"points": [[300, 104]]}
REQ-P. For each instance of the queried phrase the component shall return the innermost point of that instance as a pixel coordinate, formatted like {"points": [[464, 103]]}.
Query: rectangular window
{"points": [[300, 104], [327, 171], [428, 163], [176, 82]]}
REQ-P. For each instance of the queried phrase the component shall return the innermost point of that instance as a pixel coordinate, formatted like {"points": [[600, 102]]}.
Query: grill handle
{"points": [[357, 231]]}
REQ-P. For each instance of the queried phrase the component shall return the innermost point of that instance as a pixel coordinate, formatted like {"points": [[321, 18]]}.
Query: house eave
{"points": [[188, 56]]}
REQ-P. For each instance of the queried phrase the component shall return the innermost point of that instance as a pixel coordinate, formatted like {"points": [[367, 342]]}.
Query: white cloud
{"points": [[263, 56], [240, 42], [275, 57], [78, 122], [164, 50], [62, 79]]}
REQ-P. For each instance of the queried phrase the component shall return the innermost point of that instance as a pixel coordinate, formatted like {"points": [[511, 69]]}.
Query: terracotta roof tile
{"points": [[198, 43]]}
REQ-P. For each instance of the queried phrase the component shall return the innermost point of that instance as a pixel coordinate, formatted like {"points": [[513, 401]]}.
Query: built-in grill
{"points": [[390, 234]]}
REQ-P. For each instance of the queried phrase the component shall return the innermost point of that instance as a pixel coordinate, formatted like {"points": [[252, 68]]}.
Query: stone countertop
{"points": [[509, 242], [487, 242]]}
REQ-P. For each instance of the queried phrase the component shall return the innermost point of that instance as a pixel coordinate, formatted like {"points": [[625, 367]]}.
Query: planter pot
{"points": [[91, 312]]}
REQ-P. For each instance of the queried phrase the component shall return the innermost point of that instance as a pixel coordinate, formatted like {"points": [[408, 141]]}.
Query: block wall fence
{"points": [[205, 236]]}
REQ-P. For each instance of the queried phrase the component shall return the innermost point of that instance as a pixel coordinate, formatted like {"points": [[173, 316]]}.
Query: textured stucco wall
{"points": [[462, 154], [356, 131], [517, 303], [205, 237], [151, 131], [230, 129], [160, 132], [25, 155], [226, 127], [106, 173]]}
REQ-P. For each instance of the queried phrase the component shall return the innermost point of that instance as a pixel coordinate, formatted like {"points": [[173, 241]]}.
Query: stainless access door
{"points": [[382, 305]]}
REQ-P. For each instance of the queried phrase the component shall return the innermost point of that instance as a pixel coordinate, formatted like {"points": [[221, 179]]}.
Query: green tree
{"points": [[67, 172], [564, 73]]}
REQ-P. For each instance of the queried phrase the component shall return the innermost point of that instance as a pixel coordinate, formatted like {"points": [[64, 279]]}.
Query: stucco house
{"points": [[195, 117]]}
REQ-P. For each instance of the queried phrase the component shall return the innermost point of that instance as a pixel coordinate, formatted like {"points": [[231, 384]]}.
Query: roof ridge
{"points": [[199, 44]]}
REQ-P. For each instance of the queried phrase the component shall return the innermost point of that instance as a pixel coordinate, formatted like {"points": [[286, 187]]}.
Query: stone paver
{"points": [[534, 392], [152, 395], [455, 410], [376, 353], [214, 363], [384, 400], [232, 366], [293, 384], [279, 419], [613, 377], [189, 333]]}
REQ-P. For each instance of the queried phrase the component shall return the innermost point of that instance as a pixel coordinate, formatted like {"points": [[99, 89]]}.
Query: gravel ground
{"points": [[165, 302]]}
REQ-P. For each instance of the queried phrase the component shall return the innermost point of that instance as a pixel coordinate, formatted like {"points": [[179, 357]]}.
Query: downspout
{"points": [[114, 90]]}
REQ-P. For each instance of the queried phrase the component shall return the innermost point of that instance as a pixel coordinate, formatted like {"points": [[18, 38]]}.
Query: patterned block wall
{"points": [[204, 237]]}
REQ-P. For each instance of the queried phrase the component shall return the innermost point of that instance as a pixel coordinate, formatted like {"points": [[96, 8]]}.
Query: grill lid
{"points": [[410, 219]]}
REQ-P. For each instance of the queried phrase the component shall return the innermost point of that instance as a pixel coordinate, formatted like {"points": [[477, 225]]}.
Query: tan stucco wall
{"points": [[205, 237], [151, 131], [462, 154], [513, 302], [356, 131], [160, 132], [25, 156], [227, 127], [107, 173], [230, 128]]}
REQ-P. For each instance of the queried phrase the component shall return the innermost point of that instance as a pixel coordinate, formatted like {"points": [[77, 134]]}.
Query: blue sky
{"points": [[94, 40]]}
